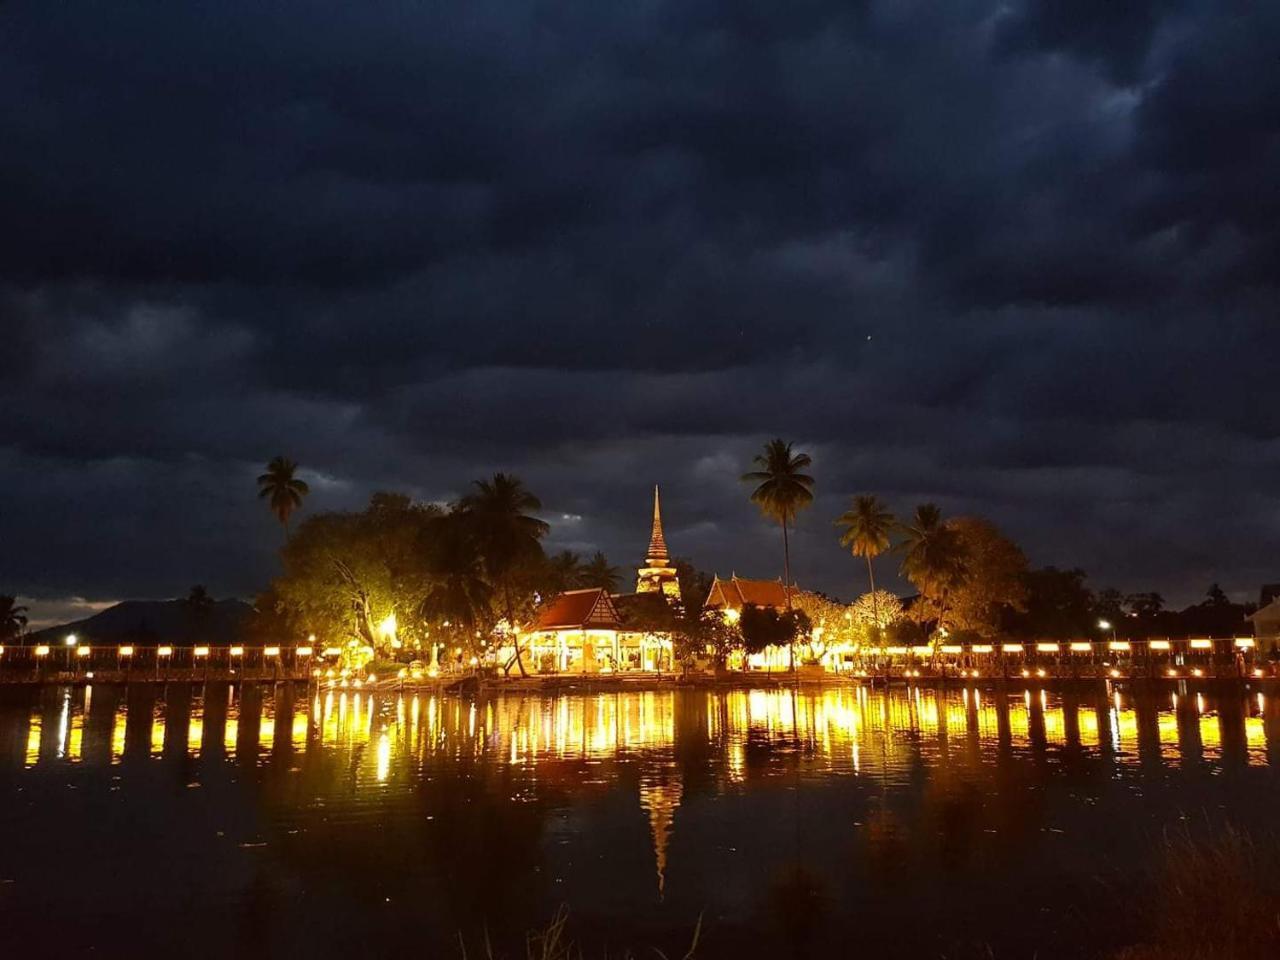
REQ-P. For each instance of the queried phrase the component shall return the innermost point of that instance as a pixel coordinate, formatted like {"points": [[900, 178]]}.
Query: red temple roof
{"points": [[578, 610]]}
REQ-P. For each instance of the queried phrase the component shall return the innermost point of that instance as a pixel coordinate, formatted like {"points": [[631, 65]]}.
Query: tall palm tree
{"points": [[508, 537], [282, 490], [782, 491], [564, 571], [933, 556], [598, 572], [866, 529], [13, 618], [459, 592]]}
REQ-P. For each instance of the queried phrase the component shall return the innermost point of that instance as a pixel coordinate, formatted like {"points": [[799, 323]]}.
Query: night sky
{"points": [[1019, 258]]}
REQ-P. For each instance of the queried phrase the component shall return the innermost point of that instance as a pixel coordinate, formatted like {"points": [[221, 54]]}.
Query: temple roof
{"points": [[735, 593], [578, 610]]}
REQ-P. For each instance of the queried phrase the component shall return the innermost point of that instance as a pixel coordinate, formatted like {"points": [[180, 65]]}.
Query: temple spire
{"points": [[657, 543]]}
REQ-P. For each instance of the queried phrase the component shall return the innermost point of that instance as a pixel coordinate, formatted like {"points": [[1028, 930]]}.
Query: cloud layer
{"points": [[1020, 258]]}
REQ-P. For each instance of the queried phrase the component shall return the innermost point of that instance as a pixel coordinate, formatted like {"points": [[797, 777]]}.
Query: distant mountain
{"points": [[177, 622]]}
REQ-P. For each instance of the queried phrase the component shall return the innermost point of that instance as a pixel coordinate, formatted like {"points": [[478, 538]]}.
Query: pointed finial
{"points": [[657, 543]]}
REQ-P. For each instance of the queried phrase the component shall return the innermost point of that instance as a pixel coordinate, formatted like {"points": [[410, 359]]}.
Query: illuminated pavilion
{"points": [[586, 631]]}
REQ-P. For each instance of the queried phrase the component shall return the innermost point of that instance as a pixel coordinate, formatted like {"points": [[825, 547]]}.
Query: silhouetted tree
{"points": [[597, 572], [866, 529], [509, 540], [13, 618], [282, 490], [782, 491]]}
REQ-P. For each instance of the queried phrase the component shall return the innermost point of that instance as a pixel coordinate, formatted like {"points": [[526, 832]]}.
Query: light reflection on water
{"points": [[642, 810], [837, 727]]}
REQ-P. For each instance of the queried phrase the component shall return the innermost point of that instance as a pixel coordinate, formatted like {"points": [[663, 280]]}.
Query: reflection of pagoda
{"points": [[658, 575], [659, 797]]}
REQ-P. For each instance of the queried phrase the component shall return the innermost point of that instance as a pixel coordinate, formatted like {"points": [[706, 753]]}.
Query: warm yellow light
{"points": [[1118, 645], [1115, 673], [1197, 672], [1201, 644], [1159, 644], [1104, 624], [311, 638], [953, 648], [1081, 647], [1047, 647], [1, 651], [303, 651], [731, 616], [42, 651], [1026, 672], [981, 648], [71, 640], [1011, 647], [1172, 672], [200, 652], [1257, 672], [388, 626], [332, 652], [237, 651], [271, 651], [922, 651], [1040, 672], [126, 651], [1244, 643], [164, 651], [975, 674], [82, 652], [474, 660], [896, 651]]}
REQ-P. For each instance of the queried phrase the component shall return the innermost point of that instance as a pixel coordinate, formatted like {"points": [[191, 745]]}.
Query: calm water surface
{"points": [[223, 821]]}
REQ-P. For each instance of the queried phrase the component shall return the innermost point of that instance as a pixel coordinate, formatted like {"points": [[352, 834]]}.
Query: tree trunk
{"points": [[511, 623], [786, 589]]}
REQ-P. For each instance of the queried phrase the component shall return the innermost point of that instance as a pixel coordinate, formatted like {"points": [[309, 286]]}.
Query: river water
{"points": [[277, 820]]}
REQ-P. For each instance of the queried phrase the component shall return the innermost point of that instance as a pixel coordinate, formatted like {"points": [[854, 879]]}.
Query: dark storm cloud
{"points": [[1020, 258]]}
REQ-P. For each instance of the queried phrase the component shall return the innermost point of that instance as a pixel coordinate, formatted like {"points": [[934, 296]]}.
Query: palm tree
{"points": [[508, 537], [597, 572], [459, 594], [564, 571], [13, 618], [782, 491], [866, 529], [283, 491], [933, 556]]}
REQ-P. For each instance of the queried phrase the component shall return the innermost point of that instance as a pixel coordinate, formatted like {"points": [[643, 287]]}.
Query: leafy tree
{"points": [[830, 623], [509, 538], [1109, 605], [458, 598], [695, 587], [563, 571], [198, 598], [1059, 606], [995, 578], [13, 618], [763, 627], [934, 561], [1144, 605], [597, 572], [1216, 597], [866, 529], [782, 491], [346, 574], [875, 613], [282, 490]]}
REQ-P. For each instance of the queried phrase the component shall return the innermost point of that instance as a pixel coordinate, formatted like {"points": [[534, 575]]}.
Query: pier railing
{"points": [[88, 661]]}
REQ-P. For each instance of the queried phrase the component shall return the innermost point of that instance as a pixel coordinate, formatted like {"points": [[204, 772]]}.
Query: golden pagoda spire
{"points": [[657, 543], [658, 575]]}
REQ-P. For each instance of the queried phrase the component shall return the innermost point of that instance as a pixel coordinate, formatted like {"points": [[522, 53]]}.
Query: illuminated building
{"points": [[591, 631]]}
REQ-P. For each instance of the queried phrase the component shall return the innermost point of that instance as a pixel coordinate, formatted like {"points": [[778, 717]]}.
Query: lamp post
{"points": [[1105, 625]]}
